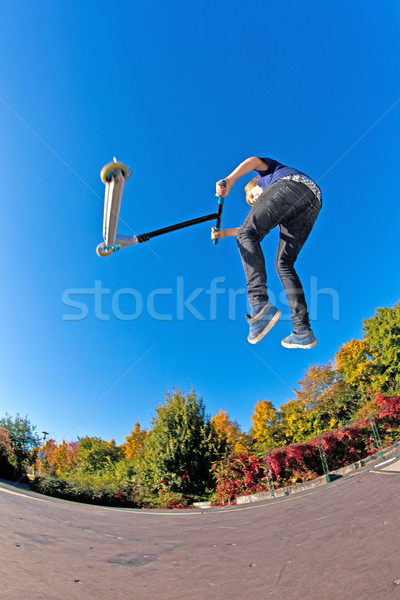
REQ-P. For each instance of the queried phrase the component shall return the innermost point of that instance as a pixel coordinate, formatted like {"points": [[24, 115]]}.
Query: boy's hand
{"points": [[223, 190], [217, 235]]}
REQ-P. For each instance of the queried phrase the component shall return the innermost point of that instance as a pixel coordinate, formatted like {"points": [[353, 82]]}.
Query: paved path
{"points": [[340, 542]]}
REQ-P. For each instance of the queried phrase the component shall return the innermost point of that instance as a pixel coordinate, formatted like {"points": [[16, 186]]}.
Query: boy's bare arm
{"points": [[215, 235], [245, 167]]}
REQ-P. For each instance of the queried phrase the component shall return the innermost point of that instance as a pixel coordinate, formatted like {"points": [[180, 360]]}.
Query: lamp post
{"points": [[41, 452], [45, 434]]}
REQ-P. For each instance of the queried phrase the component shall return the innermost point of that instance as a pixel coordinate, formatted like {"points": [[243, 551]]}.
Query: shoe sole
{"points": [[293, 346], [266, 329]]}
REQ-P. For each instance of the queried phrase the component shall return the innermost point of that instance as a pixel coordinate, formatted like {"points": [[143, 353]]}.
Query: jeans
{"points": [[293, 207]]}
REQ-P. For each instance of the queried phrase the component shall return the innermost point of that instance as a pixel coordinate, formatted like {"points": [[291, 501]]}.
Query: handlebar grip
{"points": [[215, 242], [220, 205]]}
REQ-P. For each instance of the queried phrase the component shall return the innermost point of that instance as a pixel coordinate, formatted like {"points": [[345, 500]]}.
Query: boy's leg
{"points": [[266, 214], [248, 241], [293, 234], [269, 210]]}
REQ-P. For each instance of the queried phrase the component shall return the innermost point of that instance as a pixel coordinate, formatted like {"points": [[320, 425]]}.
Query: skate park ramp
{"points": [[338, 542]]}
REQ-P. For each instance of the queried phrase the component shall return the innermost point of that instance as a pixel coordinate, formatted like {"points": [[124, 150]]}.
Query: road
{"points": [[339, 542]]}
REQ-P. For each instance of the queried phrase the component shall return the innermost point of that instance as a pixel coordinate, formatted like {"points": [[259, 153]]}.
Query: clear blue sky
{"points": [[182, 93]]}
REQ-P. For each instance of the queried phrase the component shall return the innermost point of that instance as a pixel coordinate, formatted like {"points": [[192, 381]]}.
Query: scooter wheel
{"points": [[103, 250], [107, 170]]}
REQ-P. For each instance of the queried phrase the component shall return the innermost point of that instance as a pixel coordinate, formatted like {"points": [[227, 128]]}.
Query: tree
{"points": [[266, 429], [382, 335], [324, 402], [135, 443], [179, 449], [326, 398], [353, 364], [95, 454], [21, 435], [337, 405], [58, 460], [297, 421], [229, 435], [6, 455], [48, 462], [315, 383], [5, 444]]}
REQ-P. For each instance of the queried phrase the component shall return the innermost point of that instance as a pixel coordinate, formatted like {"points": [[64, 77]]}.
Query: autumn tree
{"points": [[266, 430], [134, 444], [5, 443], [229, 435], [323, 402], [325, 396], [6, 455], [46, 462], [316, 382], [353, 363], [58, 459]]}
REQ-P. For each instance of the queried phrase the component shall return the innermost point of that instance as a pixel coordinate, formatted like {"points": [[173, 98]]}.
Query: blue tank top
{"points": [[274, 172]]}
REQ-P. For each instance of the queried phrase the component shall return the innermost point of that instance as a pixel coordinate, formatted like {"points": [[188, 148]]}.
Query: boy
{"points": [[284, 197]]}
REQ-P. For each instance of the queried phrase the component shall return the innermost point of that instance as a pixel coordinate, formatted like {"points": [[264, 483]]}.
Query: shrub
{"points": [[237, 475], [387, 419], [295, 463], [167, 499], [68, 490]]}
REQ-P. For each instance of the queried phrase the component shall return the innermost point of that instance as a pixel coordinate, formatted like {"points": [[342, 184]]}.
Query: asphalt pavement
{"points": [[337, 542]]}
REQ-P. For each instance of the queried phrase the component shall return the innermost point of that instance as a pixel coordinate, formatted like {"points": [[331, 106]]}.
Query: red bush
{"points": [[241, 474]]}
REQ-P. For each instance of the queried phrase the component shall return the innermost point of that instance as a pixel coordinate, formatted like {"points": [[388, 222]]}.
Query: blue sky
{"points": [[182, 93]]}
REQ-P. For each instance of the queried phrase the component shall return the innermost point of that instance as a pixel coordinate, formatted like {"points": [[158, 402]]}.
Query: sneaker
{"points": [[262, 322], [300, 340]]}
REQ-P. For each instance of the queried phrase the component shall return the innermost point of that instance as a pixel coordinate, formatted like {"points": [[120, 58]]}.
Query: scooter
{"points": [[114, 175]]}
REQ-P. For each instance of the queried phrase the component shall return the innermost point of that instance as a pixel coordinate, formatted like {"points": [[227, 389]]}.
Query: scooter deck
{"points": [[114, 175]]}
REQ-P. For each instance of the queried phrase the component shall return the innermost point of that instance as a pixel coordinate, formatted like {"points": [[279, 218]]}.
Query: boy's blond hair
{"points": [[250, 186]]}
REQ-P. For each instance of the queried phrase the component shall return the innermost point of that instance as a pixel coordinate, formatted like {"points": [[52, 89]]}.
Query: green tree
{"points": [[22, 436], [337, 405], [95, 454], [382, 334], [297, 421], [179, 449]]}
